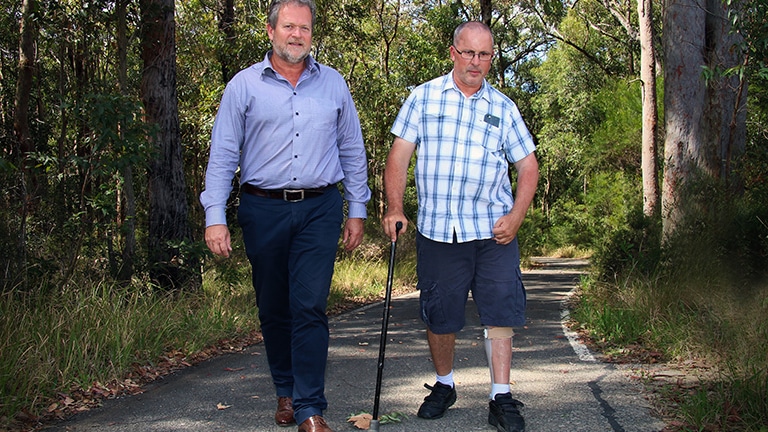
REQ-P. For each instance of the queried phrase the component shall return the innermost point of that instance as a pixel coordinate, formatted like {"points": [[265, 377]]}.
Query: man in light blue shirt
{"points": [[465, 134], [290, 125]]}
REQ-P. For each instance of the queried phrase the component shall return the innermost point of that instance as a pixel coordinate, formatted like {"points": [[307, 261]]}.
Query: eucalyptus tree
{"points": [[172, 266], [646, 33], [28, 36], [705, 107]]}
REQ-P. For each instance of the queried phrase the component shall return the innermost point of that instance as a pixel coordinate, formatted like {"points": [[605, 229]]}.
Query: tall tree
{"points": [[169, 230], [26, 72], [650, 115], [704, 113], [24, 144], [128, 217]]}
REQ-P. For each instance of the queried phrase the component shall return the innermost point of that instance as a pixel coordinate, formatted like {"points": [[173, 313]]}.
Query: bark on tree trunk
{"points": [[24, 144], [24, 83], [684, 100], [168, 208], [650, 114], [705, 119], [486, 10], [725, 114], [128, 216]]}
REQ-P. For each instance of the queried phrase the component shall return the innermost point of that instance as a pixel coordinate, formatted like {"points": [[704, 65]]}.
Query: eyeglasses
{"points": [[470, 55]]}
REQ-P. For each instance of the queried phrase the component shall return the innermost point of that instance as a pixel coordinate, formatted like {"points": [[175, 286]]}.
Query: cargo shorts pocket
{"points": [[431, 305]]}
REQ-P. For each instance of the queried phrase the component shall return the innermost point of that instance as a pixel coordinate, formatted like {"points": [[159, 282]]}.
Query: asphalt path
{"points": [[565, 388]]}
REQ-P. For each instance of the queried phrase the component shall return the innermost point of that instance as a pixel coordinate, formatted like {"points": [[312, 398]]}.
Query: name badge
{"points": [[491, 120]]}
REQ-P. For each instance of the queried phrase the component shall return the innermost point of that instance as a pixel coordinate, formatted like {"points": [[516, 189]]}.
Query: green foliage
{"points": [[393, 417], [633, 247], [746, 19]]}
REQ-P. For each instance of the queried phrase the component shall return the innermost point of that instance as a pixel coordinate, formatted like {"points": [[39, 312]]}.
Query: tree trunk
{"points": [[650, 114], [684, 100], [486, 11], [227, 28], [24, 83], [24, 144], [705, 120], [127, 217], [725, 114], [169, 229]]}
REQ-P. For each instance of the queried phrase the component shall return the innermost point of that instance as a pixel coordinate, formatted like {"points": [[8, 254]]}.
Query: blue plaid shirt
{"points": [[463, 150]]}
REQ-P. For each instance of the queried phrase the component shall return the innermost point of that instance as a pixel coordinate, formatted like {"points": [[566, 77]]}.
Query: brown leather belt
{"points": [[289, 195]]}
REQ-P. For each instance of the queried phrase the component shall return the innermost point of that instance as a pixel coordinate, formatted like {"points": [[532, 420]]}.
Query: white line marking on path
{"points": [[579, 348]]}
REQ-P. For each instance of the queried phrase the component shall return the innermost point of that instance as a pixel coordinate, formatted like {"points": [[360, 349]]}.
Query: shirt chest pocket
{"points": [[323, 114], [437, 123], [489, 136]]}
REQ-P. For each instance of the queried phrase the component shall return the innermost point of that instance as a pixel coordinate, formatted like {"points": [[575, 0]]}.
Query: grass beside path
{"points": [[704, 337]]}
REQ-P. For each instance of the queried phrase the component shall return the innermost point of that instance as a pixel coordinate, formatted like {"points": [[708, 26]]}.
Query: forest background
{"points": [[652, 130]]}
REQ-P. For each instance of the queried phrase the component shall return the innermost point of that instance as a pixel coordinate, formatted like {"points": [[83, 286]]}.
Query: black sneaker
{"points": [[436, 404], [504, 413]]}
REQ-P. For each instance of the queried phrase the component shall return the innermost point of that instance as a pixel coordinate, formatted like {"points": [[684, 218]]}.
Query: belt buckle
{"points": [[286, 193]]}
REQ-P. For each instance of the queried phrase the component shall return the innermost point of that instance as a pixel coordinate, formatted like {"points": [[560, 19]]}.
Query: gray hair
{"points": [[477, 25], [274, 9]]}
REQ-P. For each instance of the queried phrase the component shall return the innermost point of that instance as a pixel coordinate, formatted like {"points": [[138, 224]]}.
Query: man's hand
{"points": [[391, 218], [218, 240], [353, 233], [505, 229]]}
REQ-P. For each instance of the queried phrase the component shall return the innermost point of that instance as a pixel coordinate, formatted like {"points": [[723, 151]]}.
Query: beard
{"points": [[291, 53]]}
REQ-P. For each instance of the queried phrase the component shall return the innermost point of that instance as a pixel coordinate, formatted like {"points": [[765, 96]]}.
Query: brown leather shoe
{"points": [[284, 413], [315, 423]]}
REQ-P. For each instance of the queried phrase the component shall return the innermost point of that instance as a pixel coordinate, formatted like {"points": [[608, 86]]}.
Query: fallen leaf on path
{"points": [[229, 369], [221, 406], [361, 421]]}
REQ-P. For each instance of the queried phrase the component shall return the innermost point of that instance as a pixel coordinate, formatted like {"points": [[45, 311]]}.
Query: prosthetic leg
{"points": [[498, 348]]}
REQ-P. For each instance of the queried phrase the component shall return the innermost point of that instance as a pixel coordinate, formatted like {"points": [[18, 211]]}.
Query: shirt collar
{"points": [[450, 84], [312, 65]]}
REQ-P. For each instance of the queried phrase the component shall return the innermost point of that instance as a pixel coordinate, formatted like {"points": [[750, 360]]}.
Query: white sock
{"points": [[497, 389], [445, 379]]}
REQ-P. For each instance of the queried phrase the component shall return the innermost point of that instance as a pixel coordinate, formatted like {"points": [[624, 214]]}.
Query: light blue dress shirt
{"points": [[463, 149], [285, 137]]}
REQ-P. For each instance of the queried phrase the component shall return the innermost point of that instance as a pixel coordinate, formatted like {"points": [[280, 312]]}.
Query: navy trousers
{"points": [[292, 249]]}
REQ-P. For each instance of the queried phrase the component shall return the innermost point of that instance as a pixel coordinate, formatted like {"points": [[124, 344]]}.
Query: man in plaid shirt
{"points": [[465, 134]]}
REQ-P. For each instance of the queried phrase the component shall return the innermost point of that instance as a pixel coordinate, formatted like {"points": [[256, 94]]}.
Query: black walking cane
{"points": [[383, 340]]}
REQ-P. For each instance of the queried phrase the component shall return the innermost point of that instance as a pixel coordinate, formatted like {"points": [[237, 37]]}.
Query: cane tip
{"points": [[375, 423]]}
